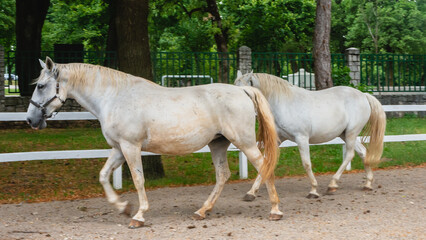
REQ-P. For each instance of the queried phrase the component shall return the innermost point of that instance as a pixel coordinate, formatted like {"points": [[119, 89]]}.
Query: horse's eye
{"points": [[40, 86], [251, 82]]}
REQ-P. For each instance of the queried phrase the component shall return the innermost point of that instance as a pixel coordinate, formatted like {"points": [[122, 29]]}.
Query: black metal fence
{"points": [[379, 72]]}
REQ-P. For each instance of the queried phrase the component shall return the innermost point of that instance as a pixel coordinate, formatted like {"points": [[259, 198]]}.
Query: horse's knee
{"points": [[103, 177], [227, 175], [307, 165]]}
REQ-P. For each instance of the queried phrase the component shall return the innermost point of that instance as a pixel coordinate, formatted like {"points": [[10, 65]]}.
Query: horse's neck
{"points": [[94, 98], [90, 102]]}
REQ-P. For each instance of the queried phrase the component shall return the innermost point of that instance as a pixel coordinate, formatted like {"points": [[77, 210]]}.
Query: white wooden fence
{"points": [[117, 175]]}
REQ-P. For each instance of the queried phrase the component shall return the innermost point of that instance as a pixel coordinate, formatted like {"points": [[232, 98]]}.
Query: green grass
{"points": [[67, 179]]}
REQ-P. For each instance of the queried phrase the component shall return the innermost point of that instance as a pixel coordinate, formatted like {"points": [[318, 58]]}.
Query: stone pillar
{"points": [[244, 59], [352, 56], [2, 70]]}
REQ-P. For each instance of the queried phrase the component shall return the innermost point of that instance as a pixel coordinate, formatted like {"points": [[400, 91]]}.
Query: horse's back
{"points": [[322, 115]]}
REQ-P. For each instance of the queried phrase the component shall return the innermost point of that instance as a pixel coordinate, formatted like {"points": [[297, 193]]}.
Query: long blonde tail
{"points": [[375, 128], [267, 135]]}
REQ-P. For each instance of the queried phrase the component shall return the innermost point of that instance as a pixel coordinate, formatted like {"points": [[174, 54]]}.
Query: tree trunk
{"points": [[221, 39], [129, 37], [322, 56], [30, 15]]}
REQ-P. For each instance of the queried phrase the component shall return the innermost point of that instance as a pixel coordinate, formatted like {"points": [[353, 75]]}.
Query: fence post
{"points": [[244, 59], [2, 71], [243, 165], [352, 56], [117, 178], [244, 65]]}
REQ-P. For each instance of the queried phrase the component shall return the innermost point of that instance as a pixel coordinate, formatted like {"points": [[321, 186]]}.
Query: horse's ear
{"points": [[49, 64], [239, 74], [42, 64], [251, 73]]}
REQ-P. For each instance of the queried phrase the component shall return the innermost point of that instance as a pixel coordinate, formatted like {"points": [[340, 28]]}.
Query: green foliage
{"points": [[340, 76], [383, 26], [69, 22], [263, 25], [172, 28], [284, 26], [7, 24]]}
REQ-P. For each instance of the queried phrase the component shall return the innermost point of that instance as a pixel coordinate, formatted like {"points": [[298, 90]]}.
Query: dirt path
{"points": [[396, 209]]}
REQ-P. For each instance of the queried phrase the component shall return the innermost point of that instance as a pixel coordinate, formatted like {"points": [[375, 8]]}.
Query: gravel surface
{"points": [[395, 209]]}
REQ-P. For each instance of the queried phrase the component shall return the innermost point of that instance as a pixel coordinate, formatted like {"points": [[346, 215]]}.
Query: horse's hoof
{"points": [[249, 198], [312, 196], [197, 216], [135, 224], [365, 188], [331, 190], [127, 211], [275, 217]]}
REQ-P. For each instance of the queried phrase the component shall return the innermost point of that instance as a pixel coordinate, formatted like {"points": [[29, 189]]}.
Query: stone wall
{"points": [[402, 99]]}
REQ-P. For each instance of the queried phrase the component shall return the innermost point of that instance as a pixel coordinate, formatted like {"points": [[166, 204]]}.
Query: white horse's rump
{"points": [[308, 117], [136, 114]]}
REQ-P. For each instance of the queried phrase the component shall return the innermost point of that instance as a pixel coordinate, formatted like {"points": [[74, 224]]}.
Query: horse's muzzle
{"points": [[37, 125]]}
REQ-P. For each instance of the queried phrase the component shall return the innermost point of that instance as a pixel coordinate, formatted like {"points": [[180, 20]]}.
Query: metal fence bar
{"points": [[393, 72]]}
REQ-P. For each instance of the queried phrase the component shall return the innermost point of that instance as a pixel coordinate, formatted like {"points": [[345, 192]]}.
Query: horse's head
{"points": [[49, 95], [248, 79]]}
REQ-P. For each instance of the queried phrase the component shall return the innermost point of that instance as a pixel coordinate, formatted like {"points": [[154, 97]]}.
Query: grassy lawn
{"points": [[70, 179]]}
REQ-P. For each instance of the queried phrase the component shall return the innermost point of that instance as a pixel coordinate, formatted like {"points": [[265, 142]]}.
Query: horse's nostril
{"points": [[28, 121]]}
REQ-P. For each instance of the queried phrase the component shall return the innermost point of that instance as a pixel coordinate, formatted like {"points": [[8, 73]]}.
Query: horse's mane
{"points": [[85, 75], [272, 86]]}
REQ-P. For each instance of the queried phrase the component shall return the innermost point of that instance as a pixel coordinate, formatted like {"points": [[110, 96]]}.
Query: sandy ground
{"points": [[396, 209]]}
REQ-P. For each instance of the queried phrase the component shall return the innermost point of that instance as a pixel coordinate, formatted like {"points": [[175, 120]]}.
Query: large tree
{"points": [[30, 15], [128, 36], [321, 53]]}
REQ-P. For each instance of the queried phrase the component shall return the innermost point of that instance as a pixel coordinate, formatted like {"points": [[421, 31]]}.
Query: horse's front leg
{"points": [[303, 144], [251, 194], [115, 159], [362, 152], [347, 158], [132, 153]]}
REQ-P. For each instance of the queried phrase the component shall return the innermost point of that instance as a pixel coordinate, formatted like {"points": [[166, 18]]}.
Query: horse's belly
{"points": [[177, 144], [325, 136]]}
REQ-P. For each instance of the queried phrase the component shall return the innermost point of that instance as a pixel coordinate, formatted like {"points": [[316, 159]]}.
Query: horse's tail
{"points": [[266, 134], [375, 128]]}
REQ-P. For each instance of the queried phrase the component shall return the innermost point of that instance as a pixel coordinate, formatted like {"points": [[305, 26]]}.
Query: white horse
{"points": [[137, 114], [306, 117]]}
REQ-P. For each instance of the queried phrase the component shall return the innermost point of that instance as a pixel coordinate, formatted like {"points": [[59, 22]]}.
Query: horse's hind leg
{"points": [[255, 157], [218, 150], [115, 159], [360, 149]]}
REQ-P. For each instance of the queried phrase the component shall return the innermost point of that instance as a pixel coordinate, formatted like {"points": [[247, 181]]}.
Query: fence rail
{"points": [[117, 175]]}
